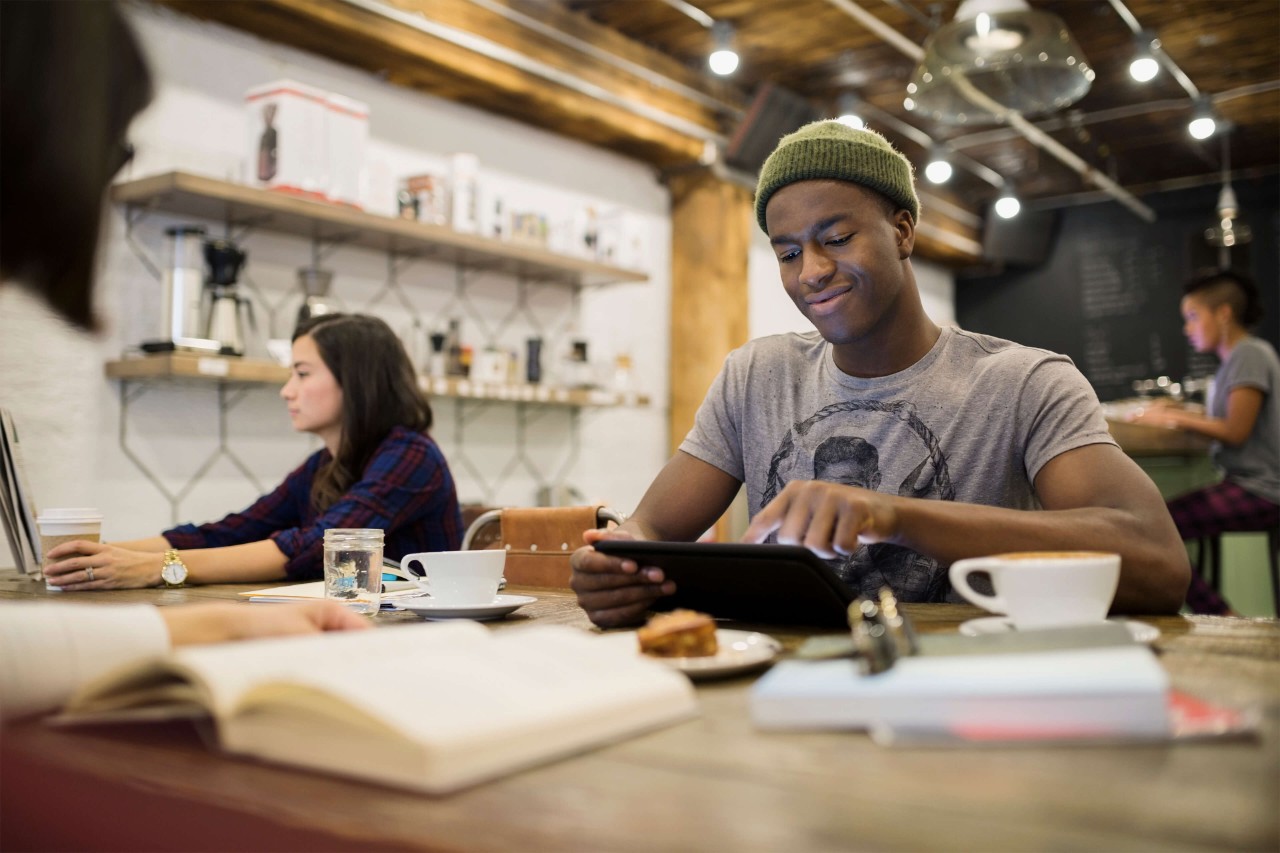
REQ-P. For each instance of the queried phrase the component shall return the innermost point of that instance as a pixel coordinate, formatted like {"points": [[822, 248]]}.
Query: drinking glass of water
{"points": [[353, 567]]}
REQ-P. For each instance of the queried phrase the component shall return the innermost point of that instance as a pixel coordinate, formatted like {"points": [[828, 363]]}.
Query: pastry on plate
{"points": [[679, 634]]}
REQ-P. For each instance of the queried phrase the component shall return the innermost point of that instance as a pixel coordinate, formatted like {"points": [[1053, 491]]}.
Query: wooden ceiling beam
{"points": [[408, 56], [354, 36]]}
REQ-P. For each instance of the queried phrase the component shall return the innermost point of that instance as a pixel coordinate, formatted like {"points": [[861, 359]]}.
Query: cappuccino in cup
{"points": [[1043, 589]]}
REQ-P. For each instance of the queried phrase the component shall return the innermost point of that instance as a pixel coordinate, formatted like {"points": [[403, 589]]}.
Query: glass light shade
{"points": [[1144, 69], [1229, 230], [723, 62], [1007, 207], [848, 112], [724, 59], [1202, 127], [1023, 59], [938, 171]]}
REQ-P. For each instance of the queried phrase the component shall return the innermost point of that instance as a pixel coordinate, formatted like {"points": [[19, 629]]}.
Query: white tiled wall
{"points": [[52, 378]]}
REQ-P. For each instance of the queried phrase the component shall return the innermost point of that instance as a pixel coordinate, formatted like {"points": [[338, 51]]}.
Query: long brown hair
{"points": [[72, 77], [379, 392]]}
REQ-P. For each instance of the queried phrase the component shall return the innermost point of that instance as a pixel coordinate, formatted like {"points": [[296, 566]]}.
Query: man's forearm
{"points": [[1154, 569]]}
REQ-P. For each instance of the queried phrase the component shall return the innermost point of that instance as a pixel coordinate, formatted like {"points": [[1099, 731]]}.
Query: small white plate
{"points": [[740, 651], [496, 609], [1141, 631]]}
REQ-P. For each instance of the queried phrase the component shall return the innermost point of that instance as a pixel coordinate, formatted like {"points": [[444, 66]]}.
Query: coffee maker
{"points": [[228, 310], [182, 307], [315, 283]]}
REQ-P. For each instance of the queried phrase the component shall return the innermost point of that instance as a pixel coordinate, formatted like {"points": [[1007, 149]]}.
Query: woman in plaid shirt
{"points": [[353, 386]]}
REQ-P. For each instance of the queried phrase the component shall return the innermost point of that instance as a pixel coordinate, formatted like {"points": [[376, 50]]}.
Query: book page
{"points": [[223, 673]]}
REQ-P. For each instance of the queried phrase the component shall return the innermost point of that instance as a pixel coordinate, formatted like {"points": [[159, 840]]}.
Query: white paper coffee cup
{"points": [[66, 524]]}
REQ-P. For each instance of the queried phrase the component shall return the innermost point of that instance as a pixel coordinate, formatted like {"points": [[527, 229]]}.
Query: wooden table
{"points": [[709, 784]]}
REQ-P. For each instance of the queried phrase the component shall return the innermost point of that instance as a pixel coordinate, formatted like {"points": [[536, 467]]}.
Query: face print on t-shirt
{"points": [[879, 446]]}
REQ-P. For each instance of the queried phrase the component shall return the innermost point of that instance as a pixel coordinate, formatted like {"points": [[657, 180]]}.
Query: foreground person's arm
{"points": [[48, 651]]}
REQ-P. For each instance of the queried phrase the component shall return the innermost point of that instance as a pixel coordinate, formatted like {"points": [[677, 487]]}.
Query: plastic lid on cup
{"points": [[83, 513]]}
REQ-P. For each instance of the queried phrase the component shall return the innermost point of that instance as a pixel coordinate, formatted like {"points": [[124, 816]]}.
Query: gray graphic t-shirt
{"points": [[1255, 463], [973, 421]]}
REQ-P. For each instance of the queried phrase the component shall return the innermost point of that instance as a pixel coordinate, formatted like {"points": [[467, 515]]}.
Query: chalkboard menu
{"points": [[1108, 294]]}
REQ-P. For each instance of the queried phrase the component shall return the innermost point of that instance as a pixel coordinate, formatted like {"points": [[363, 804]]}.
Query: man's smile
{"points": [[827, 301]]}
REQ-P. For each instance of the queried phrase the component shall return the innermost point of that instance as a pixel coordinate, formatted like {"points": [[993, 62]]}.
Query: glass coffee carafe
{"points": [[229, 311], [315, 283]]}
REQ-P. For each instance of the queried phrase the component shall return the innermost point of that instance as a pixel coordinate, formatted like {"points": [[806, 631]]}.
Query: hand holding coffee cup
{"points": [[66, 524], [1043, 589], [455, 577]]}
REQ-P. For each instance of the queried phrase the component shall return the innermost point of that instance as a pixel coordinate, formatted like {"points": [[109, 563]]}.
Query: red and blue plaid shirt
{"points": [[406, 490]]}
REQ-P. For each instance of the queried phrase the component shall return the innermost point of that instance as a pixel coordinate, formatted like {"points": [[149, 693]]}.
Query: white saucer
{"points": [[1141, 631], [740, 651], [496, 609]]}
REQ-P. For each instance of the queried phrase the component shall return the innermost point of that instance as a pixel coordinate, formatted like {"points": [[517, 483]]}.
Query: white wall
{"points": [[70, 414]]}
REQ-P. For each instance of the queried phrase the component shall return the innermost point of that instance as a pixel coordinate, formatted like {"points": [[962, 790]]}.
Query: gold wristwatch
{"points": [[173, 571]]}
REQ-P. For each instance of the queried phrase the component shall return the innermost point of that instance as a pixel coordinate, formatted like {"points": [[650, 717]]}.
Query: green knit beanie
{"points": [[831, 150]]}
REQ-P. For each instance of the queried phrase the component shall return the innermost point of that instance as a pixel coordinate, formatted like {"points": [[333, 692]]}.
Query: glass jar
{"points": [[353, 567]]}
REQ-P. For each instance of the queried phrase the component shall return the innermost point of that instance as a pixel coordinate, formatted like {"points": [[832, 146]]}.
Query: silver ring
{"points": [[89, 571]]}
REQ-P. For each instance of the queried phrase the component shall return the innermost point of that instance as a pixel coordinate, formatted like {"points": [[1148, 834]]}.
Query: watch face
{"points": [[174, 572]]}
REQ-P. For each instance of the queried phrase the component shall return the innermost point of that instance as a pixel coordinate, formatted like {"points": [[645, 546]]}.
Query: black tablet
{"points": [[774, 584]]}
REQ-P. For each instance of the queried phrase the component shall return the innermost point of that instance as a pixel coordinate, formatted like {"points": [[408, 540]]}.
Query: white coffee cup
{"points": [[456, 577], [66, 524], [1043, 589]]}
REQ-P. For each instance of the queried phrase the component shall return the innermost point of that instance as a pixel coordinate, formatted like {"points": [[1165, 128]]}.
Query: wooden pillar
{"points": [[711, 225]]}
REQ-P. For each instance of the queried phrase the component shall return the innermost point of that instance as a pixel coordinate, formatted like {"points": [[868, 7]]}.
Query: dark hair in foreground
{"points": [[1228, 287], [379, 392], [72, 77]]}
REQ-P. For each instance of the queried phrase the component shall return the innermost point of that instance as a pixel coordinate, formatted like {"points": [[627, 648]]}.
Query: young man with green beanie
{"points": [[881, 442]]}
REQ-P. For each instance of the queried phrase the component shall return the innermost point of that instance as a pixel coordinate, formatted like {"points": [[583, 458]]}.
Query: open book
{"points": [[431, 707]]}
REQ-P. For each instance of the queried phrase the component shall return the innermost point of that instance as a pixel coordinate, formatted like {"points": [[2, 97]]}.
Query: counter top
{"points": [[1146, 440]]}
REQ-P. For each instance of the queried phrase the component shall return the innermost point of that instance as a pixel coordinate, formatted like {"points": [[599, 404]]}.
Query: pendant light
{"points": [[1203, 122], [1022, 58], [1007, 206], [1145, 66], [848, 111], [938, 169], [723, 59], [1228, 229]]}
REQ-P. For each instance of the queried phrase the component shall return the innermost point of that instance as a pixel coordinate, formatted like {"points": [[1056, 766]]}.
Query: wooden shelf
{"points": [[213, 368], [222, 201], [187, 365]]}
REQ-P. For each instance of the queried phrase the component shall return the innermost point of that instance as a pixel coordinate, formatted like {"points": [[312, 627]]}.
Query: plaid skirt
{"points": [[1221, 508]]}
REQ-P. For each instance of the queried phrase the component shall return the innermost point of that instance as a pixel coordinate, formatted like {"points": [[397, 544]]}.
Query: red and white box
{"points": [[347, 133], [287, 139]]}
